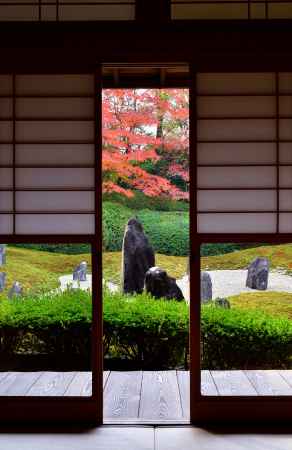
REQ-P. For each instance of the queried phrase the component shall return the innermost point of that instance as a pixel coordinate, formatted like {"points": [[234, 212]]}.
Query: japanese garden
{"points": [[246, 289]]}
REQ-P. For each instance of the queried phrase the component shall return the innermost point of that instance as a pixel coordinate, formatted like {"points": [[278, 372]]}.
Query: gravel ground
{"points": [[67, 280], [225, 283], [232, 282]]}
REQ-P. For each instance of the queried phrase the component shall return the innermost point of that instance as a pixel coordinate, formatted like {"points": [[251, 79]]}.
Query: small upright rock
{"points": [[2, 254], [206, 287], [160, 285], [258, 274], [137, 257], [16, 290], [222, 303], [79, 273], [2, 281]]}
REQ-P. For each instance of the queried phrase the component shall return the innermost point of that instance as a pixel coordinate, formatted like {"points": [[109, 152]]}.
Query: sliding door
{"points": [[50, 244], [241, 245]]}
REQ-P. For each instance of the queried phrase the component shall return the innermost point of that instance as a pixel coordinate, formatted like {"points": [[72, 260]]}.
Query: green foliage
{"points": [[168, 232], [237, 339], [48, 324], [151, 333], [66, 249], [142, 201]]}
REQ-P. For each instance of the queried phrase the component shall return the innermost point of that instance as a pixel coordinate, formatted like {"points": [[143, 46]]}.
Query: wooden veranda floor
{"points": [[158, 396]]}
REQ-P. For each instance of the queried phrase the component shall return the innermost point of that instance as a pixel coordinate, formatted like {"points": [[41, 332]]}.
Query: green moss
{"points": [[175, 265], [280, 257], [39, 270], [276, 304]]}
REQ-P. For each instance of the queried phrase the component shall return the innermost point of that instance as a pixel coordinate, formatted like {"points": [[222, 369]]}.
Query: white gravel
{"points": [[225, 283], [66, 281], [232, 282]]}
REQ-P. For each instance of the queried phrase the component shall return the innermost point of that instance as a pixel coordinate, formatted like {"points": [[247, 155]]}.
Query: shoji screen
{"points": [[47, 141], [244, 152], [55, 10], [231, 9]]}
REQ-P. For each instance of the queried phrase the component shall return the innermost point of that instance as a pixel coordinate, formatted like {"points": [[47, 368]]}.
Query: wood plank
{"points": [[105, 377], [80, 386], [17, 383], [232, 382], [51, 384], [183, 379], [268, 382], [208, 387], [122, 394], [160, 396]]}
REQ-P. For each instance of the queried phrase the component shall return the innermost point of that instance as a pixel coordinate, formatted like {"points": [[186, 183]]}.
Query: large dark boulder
{"points": [[206, 287], [258, 274], [160, 285], [137, 257]]}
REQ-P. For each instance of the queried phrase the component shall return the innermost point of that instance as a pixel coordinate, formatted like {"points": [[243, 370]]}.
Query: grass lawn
{"points": [[276, 304], [280, 257], [39, 270]]}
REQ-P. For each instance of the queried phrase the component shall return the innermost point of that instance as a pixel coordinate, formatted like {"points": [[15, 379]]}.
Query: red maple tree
{"points": [[145, 141]]}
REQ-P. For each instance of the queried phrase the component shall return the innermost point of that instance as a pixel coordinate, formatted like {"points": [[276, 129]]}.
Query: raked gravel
{"points": [[225, 283]]}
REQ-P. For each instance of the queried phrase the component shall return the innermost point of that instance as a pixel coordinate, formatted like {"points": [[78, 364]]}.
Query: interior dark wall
{"points": [[211, 45]]}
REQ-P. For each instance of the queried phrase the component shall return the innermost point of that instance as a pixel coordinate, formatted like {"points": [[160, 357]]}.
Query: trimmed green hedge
{"points": [[150, 333], [168, 232], [237, 339]]}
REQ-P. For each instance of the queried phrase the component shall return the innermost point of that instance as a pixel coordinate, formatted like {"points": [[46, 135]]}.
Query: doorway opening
{"points": [[145, 168]]}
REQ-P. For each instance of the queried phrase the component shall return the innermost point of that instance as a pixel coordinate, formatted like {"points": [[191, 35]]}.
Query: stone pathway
{"points": [[225, 283]]}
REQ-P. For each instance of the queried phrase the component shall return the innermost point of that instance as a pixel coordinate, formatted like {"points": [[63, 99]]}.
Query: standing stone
{"points": [[79, 273], [2, 281], [206, 287], [160, 285], [222, 303], [137, 257], [2, 254], [16, 290], [258, 274]]}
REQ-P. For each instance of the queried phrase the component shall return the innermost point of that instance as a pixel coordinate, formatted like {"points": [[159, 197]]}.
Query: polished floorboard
{"points": [[147, 397]]}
